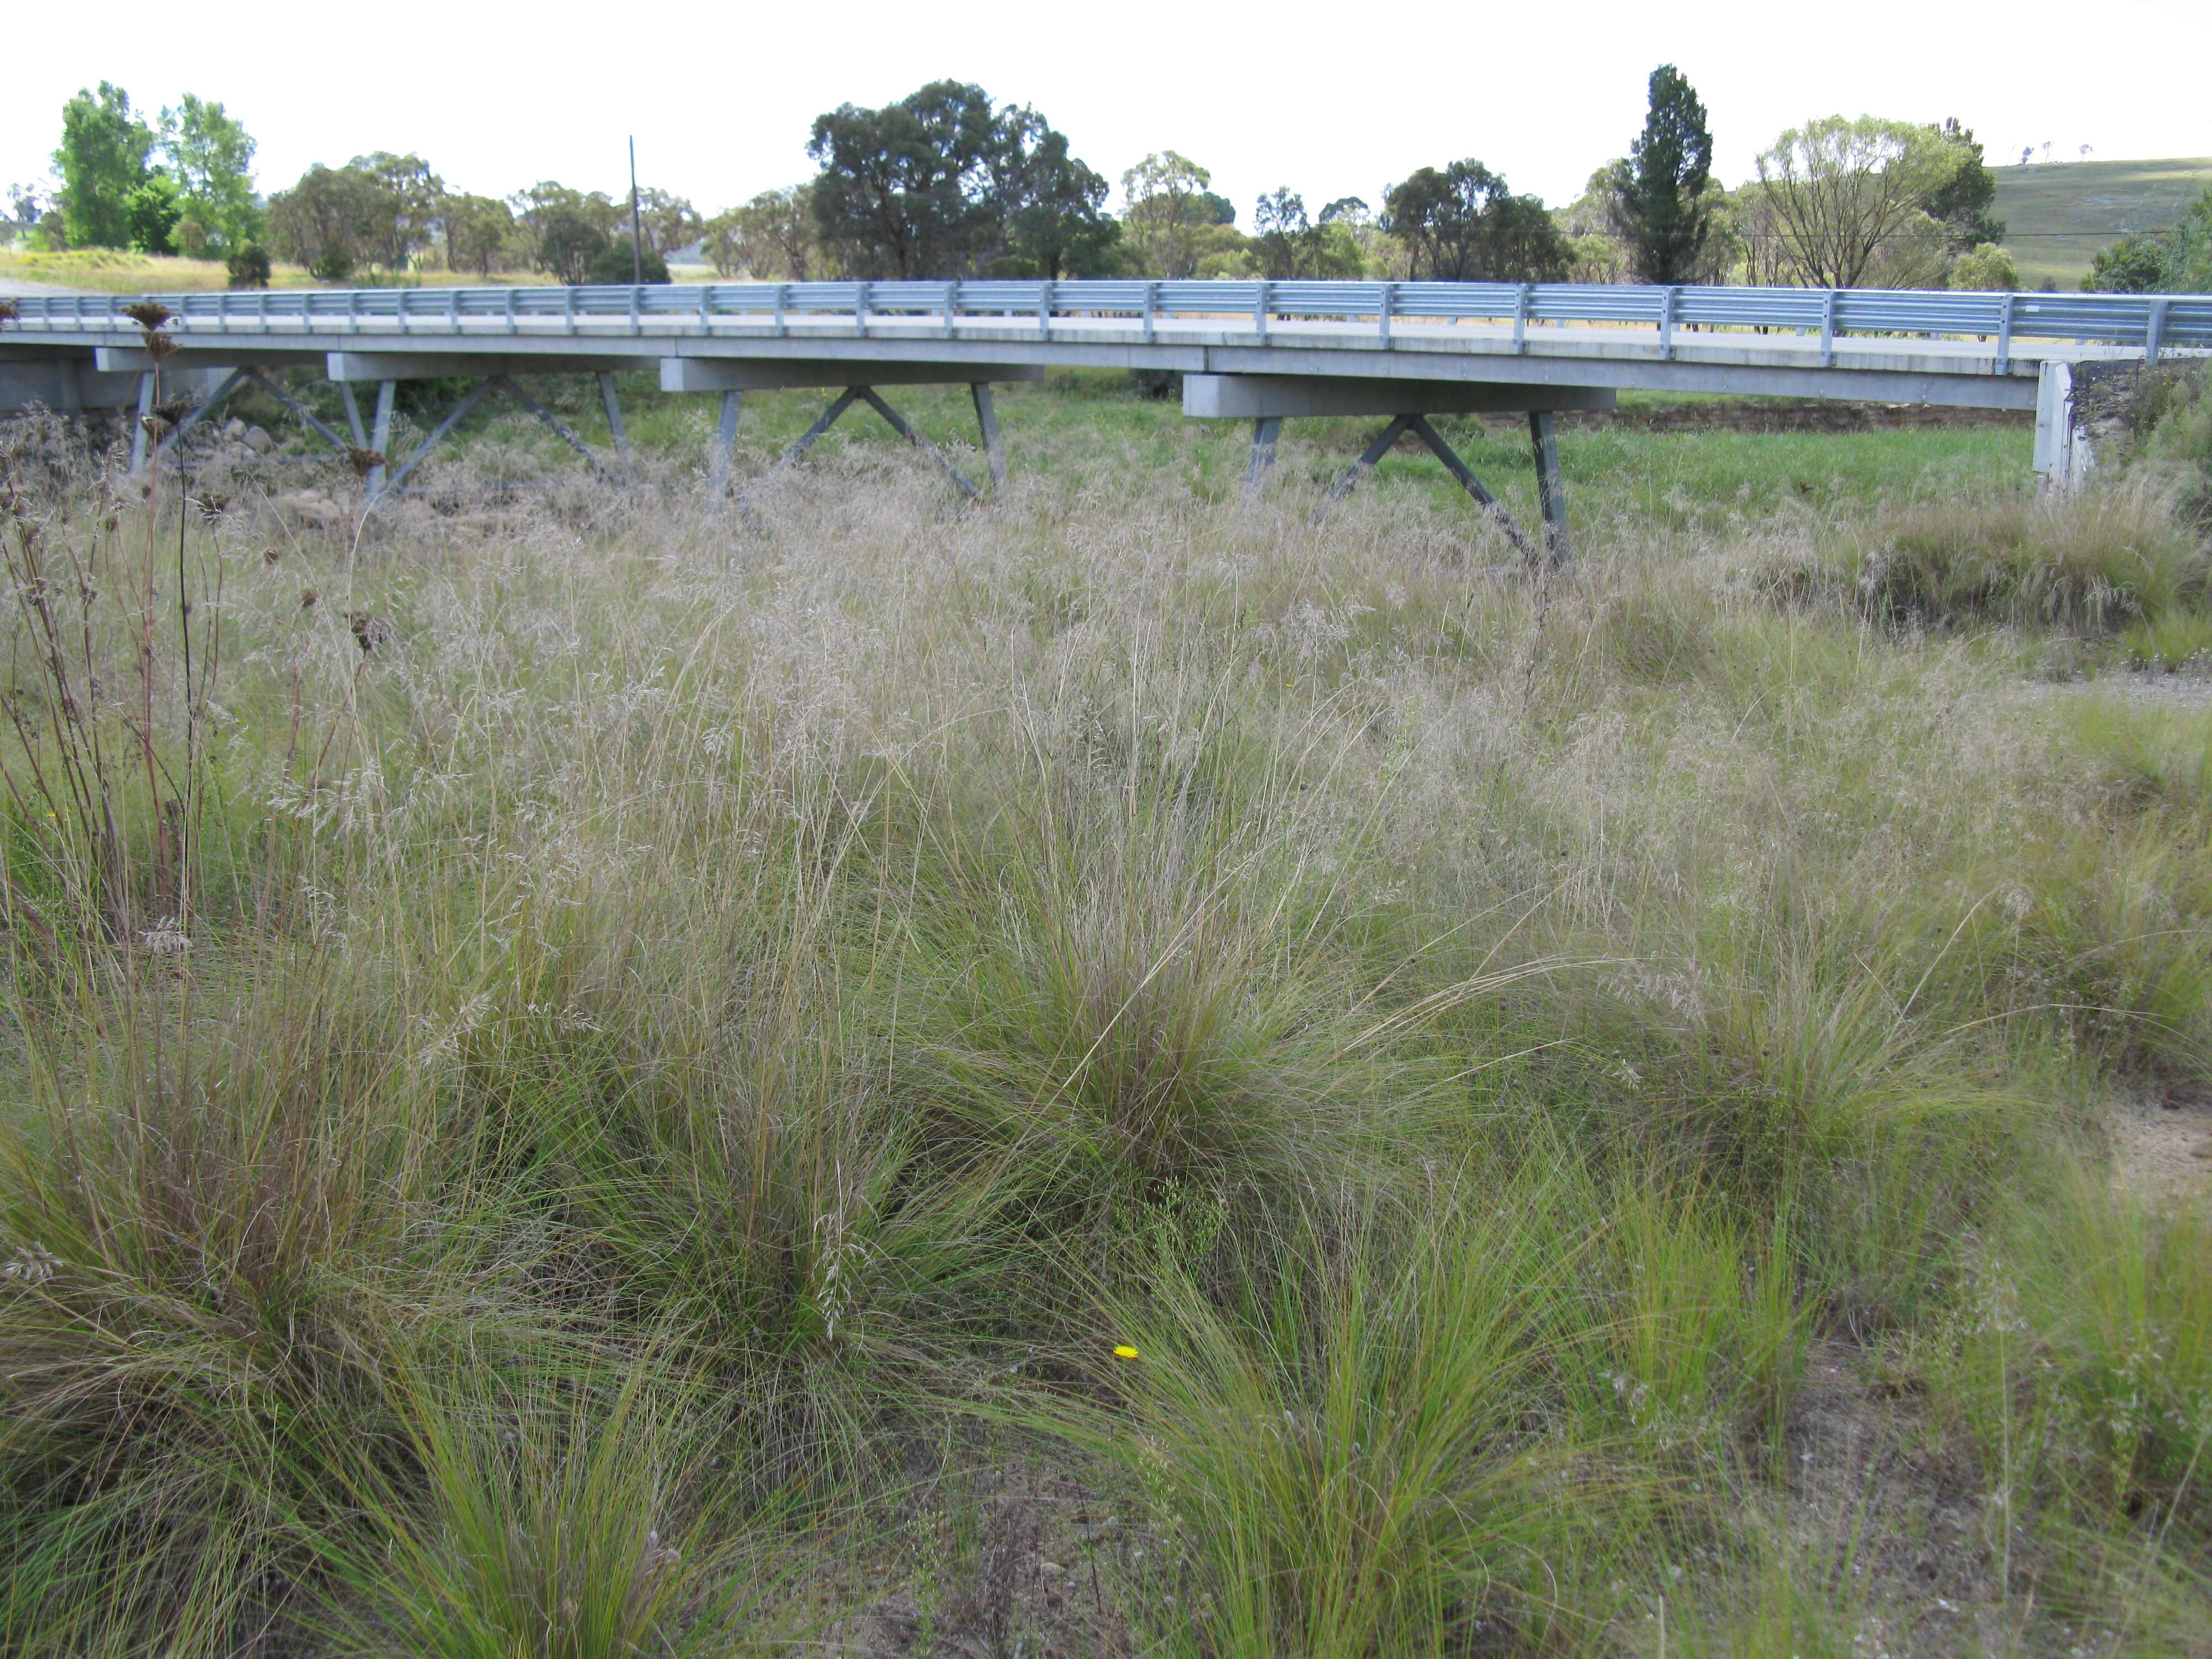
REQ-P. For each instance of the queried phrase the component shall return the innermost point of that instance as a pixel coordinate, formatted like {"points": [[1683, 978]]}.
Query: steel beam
{"points": [[1367, 462], [201, 409], [459, 410], [725, 442], [261, 378], [145, 415], [1266, 431], [63, 385], [381, 438], [891, 417], [197, 354], [1260, 397], [734, 375], [559, 427], [1551, 490], [475, 364], [1419, 426], [987, 422], [615, 421]]}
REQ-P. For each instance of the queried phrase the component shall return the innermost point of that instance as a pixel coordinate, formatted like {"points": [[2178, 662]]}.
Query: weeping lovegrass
{"points": [[703, 1024]]}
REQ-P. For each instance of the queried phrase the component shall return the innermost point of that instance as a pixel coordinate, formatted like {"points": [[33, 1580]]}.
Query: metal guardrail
{"points": [[2151, 321]]}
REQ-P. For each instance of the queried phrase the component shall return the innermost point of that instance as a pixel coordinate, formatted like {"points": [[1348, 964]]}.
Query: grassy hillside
{"points": [[2057, 214], [120, 270]]}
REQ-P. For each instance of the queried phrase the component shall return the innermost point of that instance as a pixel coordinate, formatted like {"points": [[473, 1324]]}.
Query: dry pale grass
{"points": [[781, 987]]}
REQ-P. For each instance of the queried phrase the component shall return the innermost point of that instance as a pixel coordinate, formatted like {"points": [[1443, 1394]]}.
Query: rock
{"points": [[258, 441], [233, 429]]}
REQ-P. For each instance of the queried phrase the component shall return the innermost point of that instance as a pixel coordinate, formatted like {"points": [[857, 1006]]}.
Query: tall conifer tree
{"points": [[1659, 203]]}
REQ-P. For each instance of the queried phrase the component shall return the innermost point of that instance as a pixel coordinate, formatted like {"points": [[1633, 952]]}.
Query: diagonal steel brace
{"points": [[1420, 426]]}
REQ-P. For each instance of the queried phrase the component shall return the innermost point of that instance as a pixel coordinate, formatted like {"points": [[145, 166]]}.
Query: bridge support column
{"points": [[380, 437], [1266, 400], [868, 395], [1551, 490], [1419, 426], [322, 428], [138, 426], [725, 443], [382, 478], [1267, 431], [987, 422], [453, 418], [2062, 448], [614, 422], [200, 410], [559, 427]]}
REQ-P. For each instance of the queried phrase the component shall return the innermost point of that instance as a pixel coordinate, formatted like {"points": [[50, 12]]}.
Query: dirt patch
{"points": [[1020, 1558], [1894, 1520], [2162, 1144]]}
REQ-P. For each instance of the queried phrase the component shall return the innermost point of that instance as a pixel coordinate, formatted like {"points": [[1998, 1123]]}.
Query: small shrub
{"points": [[249, 267]]}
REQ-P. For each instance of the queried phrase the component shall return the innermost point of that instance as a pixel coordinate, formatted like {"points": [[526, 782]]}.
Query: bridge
{"points": [[1257, 351]]}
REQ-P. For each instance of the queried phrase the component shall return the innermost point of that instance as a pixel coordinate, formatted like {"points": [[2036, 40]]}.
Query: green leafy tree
{"points": [[613, 264], [1463, 224], [1060, 225], [248, 266], [2176, 260], [1962, 204], [211, 155], [480, 232], [1846, 196], [943, 184], [1987, 269], [566, 233], [1660, 208], [1172, 220], [26, 204], [152, 211], [770, 238], [102, 159], [407, 201], [321, 221], [1285, 244], [669, 222], [377, 209]]}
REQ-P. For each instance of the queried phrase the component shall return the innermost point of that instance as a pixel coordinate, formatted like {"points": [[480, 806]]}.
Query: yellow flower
{"points": [[1123, 1351]]}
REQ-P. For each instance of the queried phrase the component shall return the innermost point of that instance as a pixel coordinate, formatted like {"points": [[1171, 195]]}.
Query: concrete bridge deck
{"points": [[1260, 351]]}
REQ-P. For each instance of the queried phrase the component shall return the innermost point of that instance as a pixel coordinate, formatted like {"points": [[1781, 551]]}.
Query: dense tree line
{"points": [[946, 182]]}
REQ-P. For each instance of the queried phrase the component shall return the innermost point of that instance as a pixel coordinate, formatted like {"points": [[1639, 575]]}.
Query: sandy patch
{"points": [[2162, 1144]]}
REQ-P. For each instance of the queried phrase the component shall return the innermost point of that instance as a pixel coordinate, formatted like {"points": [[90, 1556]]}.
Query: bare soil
{"points": [[2162, 1144]]}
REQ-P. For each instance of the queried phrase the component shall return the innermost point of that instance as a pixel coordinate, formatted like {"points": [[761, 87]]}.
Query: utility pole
{"points": [[637, 237]]}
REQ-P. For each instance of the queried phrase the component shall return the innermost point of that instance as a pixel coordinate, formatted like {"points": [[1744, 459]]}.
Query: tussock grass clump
{"points": [[712, 1007], [2118, 557]]}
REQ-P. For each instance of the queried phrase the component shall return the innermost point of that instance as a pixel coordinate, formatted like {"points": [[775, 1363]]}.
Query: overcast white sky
{"points": [[1332, 100]]}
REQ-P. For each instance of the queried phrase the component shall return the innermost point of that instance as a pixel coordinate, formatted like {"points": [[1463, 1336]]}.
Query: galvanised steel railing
{"points": [[2150, 321]]}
